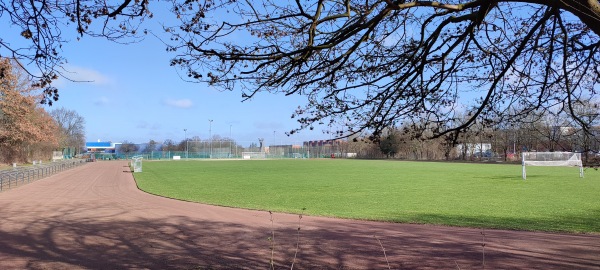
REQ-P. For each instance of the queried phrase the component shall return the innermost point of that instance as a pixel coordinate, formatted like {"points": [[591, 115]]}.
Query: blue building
{"points": [[101, 147]]}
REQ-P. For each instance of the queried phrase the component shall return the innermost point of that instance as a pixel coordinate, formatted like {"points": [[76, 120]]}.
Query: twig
{"points": [[272, 239], [385, 255], [297, 239], [483, 247]]}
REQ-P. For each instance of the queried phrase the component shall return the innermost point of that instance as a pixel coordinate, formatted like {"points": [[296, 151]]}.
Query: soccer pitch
{"points": [[456, 194]]}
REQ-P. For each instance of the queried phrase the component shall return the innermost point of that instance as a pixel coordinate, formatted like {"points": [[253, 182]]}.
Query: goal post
{"points": [[254, 155], [57, 155], [557, 159], [136, 163]]}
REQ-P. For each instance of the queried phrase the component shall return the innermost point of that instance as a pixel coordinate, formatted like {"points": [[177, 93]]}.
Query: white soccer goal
{"points": [[254, 155], [136, 163], [57, 155], [564, 159]]}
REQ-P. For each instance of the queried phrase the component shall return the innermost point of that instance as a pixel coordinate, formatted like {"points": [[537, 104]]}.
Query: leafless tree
{"points": [[552, 129], [169, 145], [128, 148], [372, 63], [71, 127], [151, 146], [589, 112], [195, 144]]}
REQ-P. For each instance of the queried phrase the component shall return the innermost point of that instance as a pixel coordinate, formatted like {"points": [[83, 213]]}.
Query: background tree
{"points": [[373, 63], [128, 148], [363, 147], [169, 145], [389, 145], [195, 144], [71, 127], [25, 128], [151, 146], [587, 142], [506, 144]]}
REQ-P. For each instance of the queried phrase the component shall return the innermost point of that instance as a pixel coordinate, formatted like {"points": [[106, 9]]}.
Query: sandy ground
{"points": [[94, 217]]}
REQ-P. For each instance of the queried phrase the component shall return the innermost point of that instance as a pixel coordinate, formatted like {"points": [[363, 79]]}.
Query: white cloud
{"points": [[179, 103], [102, 101]]}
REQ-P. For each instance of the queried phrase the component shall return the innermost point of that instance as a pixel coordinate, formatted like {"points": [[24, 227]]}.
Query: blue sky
{"points": [[136, 96]]}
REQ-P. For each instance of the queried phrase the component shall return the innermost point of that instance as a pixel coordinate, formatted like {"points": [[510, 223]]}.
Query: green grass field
{"points": [[457, 194]]}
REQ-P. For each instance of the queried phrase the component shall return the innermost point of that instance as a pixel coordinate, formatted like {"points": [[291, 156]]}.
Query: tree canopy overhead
{"points": [[440, 66], [46, 25]]}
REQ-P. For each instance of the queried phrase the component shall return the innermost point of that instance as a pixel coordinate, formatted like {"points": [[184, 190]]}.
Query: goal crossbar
{"points": [[557, 159], [254, 155]]}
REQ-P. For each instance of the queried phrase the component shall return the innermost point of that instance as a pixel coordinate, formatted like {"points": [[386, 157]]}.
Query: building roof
{"points": [[99, 145]]}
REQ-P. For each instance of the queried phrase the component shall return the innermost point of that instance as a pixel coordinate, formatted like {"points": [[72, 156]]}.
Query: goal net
{"points": [[560, 159], [254, 155], [136, 163]]}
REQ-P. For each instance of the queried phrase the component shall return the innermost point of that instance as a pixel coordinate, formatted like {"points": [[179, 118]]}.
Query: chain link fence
{"points": [[233, 150]]}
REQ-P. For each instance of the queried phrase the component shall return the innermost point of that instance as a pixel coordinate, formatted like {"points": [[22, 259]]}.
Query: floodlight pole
{"points": [[187, 156], [210, 136]]}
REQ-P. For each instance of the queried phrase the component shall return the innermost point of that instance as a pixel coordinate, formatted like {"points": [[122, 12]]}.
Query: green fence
{"points": [[269, 152], [234, 150], [167, 155]]}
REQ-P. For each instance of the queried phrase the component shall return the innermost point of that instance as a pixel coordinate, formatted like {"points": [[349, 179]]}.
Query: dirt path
{"points": [[94, 217]]}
